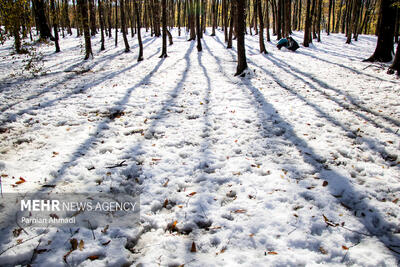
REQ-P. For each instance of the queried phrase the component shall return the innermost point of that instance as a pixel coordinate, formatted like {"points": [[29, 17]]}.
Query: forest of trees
{"points": [[51, 19]]}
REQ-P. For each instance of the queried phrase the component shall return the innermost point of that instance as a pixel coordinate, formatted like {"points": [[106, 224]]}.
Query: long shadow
{"points": [[302, 52], [13, 116], [370, 143], [84, 147], [322, 84], [355, 200], [49, 88]]}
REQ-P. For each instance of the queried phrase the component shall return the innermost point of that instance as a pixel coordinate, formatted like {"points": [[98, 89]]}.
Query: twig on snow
{"points": [[121, 164]]}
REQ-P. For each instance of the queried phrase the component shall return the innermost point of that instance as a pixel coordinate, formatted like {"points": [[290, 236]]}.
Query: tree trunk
{"points": [[41, 20], [55, 25], [261, 35], [198, 26], [85, 25], [307, 26], [123, 25], [92, 13], [384, 47], [231, 26], [241, 25], [116, 23], [101, 18], [66, 17], [164, 28], [137, 12]]}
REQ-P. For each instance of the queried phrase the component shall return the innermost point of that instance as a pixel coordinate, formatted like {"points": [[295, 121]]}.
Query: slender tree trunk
{"points": [[116, 23], [92, 13], [198, 26], [231, 26], [261, 35], [55, 25], [267, 20], [307, 28], [241, 25], [164, 28], [137, 11], [101, 19], [123, 25], [83, 7]]}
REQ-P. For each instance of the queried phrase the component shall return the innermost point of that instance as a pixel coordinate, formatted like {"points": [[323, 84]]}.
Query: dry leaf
{"points": [[81, 245], [395, 201], [345, 248], [4, 175], [193, 248], [93, 257], [323, 251], [272, 253], [21, 180], [104, 231], [325, 183], [166, 183], [165, 203], [240, 211], [192, 194]]}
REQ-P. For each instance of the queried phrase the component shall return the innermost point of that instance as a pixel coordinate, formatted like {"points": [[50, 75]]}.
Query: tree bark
{"points": [[384, 47], [55, 25], [137, 11], [241, 25], [123, 25], [85, 25], [307, 26], [41, 20], [101, 18], [261, 34], [164, 28]]}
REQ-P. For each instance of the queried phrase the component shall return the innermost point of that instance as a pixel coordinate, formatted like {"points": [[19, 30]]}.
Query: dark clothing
{"points": [[293, 45]]}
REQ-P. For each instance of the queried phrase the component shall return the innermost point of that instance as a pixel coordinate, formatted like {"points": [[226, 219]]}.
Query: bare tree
{"points": [[83, 8], [241, 25]]}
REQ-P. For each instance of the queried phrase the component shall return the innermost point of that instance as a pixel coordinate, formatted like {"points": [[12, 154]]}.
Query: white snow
{"points": [[295, 164]]}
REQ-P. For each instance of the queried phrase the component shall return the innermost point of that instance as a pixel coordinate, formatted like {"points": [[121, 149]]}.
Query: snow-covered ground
{"points": [[295, 164]]}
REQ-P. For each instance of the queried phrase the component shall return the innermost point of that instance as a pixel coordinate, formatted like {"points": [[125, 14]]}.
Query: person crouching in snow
{"points": [[282, 42], [292, 44]]}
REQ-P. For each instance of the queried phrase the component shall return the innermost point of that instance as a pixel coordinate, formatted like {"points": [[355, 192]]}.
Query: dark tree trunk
{"points": [[384, 46], [198, 26], [214, 17], [328, 28], [83, 7], [279, 20], [319, 20], [261, 35], [66, 17], [179, 18], [92, 13], [164, 28], [55, 25], [241, 25], [137, 12], [116, 23], [101, 18], [231, 26], [307, 26], [123, 25], [41, 20], [109, 19], [267, 20]]}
